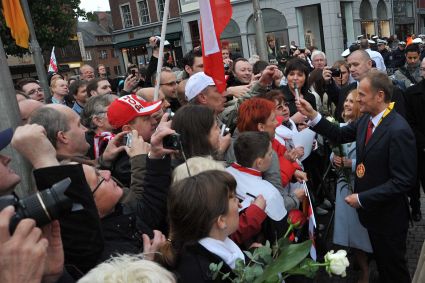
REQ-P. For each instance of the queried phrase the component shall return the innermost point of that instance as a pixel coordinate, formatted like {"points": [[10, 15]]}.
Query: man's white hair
{"points": [[128, 269], [316, 53]]}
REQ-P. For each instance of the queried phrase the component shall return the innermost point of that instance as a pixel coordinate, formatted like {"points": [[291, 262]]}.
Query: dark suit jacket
{"points": [[193, 265], [415, 105], [390, 162]]}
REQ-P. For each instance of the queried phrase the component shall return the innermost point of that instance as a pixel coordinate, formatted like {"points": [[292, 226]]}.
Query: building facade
{"points": [[96, 44], [134, 21], [329, 25]]}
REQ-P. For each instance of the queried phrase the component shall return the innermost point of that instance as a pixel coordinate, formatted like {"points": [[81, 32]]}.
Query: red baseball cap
{"points": [[126, 108]]}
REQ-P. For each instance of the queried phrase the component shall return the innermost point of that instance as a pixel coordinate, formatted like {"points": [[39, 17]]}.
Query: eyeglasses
{"points": [[422, 69], [173, 83], [33, 91], [102, 179]]}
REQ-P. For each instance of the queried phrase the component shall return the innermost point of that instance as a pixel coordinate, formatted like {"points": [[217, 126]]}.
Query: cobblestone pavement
{"points": [[415, 239]]}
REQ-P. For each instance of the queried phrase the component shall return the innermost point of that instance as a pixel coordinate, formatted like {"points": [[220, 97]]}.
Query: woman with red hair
{"points": [[258, 114]]}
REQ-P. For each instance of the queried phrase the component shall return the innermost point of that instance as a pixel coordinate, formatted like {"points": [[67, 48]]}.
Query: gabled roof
{"points": [[90, 30]]}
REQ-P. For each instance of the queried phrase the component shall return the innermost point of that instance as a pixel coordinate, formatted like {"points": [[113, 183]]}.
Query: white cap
{"points": [[196, 84], [417, 40], [346, 52], [166, 42], [402, 43], [370, 41], [293, 47], [283, 46]]}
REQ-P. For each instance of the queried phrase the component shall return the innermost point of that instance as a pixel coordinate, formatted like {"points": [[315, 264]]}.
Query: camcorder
{"points": [[336, 72], [43, 206]]}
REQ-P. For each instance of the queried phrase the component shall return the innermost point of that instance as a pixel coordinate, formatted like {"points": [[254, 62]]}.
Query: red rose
{"points": [[296, 218]]}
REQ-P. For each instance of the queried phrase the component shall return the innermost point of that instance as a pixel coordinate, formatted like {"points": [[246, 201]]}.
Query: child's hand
{"points": [[260, 201]]}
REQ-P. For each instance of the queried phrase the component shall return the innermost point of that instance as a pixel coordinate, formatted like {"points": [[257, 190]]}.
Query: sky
{"points": [[95, 5]]}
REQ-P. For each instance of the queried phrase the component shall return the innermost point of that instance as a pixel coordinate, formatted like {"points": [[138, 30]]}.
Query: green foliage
{"points": [[54, 23]]}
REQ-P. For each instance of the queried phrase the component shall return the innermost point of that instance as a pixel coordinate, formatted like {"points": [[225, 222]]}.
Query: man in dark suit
{"points": [[360, 64], [415, 103], [385, 171]]}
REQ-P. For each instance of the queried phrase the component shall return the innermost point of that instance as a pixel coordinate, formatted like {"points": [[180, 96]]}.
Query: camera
{"points": [[336, 72], [172, 141], [127, 140], [226, 67], [44, 206]]}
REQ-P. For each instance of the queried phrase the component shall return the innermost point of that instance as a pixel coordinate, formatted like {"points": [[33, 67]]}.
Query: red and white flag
{"points": [[308, 211], [53, 65], [215, 15]]}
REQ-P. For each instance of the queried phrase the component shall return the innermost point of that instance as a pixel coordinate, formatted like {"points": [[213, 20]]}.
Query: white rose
{"points": [[338, 262]]}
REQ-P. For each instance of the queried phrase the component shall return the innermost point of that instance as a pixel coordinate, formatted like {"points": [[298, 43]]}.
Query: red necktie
{"points": [[369, 131]]}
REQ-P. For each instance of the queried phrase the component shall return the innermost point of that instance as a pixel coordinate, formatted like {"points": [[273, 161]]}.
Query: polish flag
{"points": [[53, 65], [308, 211], [215, 15]]}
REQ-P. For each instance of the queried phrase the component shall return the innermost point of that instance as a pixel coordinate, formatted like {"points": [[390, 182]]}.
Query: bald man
{"points": [[63, 128], [26, 107]]}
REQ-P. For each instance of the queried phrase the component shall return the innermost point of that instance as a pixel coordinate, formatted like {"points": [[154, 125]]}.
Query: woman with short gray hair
{"points": [[94, 118]]}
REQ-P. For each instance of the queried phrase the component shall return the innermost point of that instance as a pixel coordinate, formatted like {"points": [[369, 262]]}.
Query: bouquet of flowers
{"points": [[283, 259]]}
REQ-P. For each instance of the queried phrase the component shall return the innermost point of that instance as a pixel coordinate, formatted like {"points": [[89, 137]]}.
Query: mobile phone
{"points": [[133, 73]]}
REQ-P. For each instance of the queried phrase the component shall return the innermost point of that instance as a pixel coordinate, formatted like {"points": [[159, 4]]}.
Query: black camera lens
{"points": [[44, 206]]}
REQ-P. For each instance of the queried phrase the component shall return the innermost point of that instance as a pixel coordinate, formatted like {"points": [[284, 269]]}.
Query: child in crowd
{"points": [[253, 151]]}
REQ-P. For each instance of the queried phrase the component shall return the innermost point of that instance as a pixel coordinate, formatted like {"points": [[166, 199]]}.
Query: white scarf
{"points": [[227, 250]]}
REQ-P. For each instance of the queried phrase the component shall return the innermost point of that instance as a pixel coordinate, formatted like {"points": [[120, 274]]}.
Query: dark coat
{"points": [[193, 265], [81, 231], [390, 169], [415, 105]]}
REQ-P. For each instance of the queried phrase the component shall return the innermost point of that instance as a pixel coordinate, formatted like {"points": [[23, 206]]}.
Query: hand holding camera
{"points": [[165, 140], [135, 145], [23, 253]]}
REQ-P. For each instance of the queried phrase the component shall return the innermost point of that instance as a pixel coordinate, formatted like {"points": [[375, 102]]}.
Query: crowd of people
{"points": [[165, 187]]}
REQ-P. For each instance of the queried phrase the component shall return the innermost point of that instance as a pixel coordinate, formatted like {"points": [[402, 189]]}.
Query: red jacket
{"points": [[287, 168], [250, 221]]}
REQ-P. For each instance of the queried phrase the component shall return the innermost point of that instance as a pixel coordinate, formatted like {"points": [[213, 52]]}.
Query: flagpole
{"points": [[11, 118], [161, 48], [36, 51]]}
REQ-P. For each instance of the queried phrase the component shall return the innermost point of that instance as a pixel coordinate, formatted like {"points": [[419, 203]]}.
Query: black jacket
{"points": [[193, 265], [415, 105], [80, 230], [389, 160]]}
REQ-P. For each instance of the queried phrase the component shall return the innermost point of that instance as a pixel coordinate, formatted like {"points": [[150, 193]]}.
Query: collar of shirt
{"points": [[375, 120]]}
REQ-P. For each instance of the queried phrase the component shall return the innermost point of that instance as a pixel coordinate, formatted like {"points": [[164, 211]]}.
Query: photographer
{"points": [[132, 81], [31, 254], [126, 114]]}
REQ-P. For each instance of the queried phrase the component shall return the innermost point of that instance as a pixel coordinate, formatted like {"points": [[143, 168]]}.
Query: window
{"points": [[87, 56], [161, 4], [103, 54], [126, 16], [143, 12]]}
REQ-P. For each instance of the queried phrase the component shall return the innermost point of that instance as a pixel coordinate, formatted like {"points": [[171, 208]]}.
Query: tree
{"points": [[54, 21]]}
